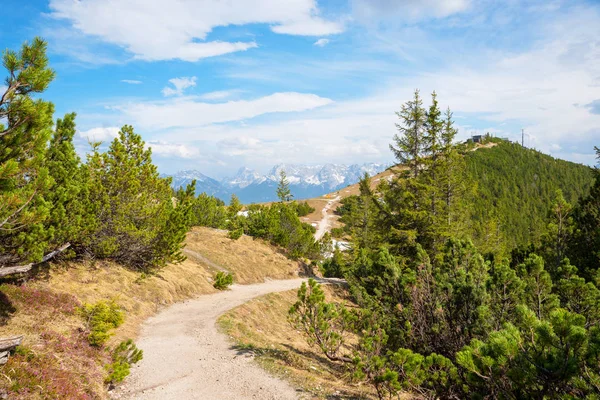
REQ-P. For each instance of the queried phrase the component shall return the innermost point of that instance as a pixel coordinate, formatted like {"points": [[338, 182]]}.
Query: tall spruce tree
{"points": [[453, 183], [24, 178], [558, 232], [283, 188], [410, 141], [434, 126], [427, 204]]}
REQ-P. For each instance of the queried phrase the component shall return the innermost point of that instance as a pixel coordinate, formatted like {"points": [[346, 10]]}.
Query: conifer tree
{"points": [[23, 177], [235, 206], [283, 188], [559, 231], [69, 221], [434, 126], [448, 132], [453, 182], [410, 141], [139, 222], [209, 211], [434, 130]]}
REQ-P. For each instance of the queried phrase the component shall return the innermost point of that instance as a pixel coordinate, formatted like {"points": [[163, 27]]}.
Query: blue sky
{"points": [[215, 85]]}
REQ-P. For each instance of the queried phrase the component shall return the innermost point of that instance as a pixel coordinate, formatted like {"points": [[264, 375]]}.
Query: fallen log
{"points": [[6, 345], [24, 268], [10, 343]]}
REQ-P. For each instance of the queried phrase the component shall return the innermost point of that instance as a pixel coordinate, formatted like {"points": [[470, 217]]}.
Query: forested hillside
{"points": [[515, 188], [446, 305]]}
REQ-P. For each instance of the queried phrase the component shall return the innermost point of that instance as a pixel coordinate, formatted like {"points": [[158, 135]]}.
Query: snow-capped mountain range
{"points": [[305, 181]]}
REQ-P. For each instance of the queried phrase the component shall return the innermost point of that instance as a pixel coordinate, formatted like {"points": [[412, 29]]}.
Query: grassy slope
{"points": [[61, 364], [260, 327]]}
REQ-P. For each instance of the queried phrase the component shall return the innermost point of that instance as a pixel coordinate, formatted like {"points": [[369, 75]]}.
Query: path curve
{"points": [[324, 224], [185, 357]]}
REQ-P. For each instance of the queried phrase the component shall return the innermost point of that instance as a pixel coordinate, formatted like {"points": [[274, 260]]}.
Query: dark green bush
{"points": [[222, 280], [280, 225], [235, 234], [303, 209], [338, 232], [333, 267]]}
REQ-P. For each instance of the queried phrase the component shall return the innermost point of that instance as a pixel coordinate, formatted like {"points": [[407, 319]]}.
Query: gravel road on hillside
{"points": [[185, 357], [324, 225]]}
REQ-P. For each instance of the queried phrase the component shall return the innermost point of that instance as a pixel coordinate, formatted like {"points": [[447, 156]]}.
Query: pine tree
{"points": [[434, 131], [209, 211], [410, 142], [23, 177], [283, 188], [235, 206], [454, 184], [434, 126], [69, 221], [449, 132], [139, 223], [364, 232], [558, 232]]}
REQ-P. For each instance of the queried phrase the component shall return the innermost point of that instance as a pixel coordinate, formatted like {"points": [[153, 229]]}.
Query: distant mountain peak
{"points": [[305, 180], [244, 177]]}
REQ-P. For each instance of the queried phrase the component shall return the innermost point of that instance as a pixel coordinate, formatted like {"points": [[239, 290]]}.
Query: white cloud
{"points": [[321, 42], [217, 95], [241, 145], [312, 26], [406, 10], [178, 29], [179, 85], [535, 89], [101, 134], [167, 149], [189, 112], [132, 81]]}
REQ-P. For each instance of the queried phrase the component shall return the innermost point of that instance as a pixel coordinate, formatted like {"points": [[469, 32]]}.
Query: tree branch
{"points": [[24, 268]]}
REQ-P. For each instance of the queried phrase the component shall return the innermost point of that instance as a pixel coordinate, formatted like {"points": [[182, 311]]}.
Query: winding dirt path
{"points": [[185, 357], [324, 224]]}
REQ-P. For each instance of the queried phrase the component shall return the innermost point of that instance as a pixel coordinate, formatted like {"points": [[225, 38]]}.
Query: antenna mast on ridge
{"points": [[522, 137]]}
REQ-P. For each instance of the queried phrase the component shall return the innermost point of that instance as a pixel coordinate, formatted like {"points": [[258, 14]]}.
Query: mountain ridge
{"points": [[306, 181]]}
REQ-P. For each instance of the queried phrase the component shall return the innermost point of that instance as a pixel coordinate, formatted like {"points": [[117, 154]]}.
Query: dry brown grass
{"points": [[250, 260], [260, 327], [140, 295], [318, 204]]}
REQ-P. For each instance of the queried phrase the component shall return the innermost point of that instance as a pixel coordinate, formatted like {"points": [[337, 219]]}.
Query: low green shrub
{"points": [[303, 209], [123, 356], [235, 234], [101, 318], [222, 280], [338, 232]]}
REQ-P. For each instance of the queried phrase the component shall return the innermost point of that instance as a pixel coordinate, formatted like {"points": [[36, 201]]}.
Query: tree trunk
{"points": [[17, 269]]}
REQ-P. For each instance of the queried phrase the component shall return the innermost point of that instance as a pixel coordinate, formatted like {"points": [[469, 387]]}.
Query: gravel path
{"points": [[324, 224], [185, 357]]}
